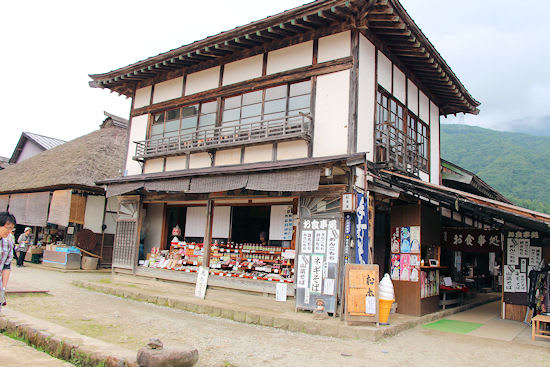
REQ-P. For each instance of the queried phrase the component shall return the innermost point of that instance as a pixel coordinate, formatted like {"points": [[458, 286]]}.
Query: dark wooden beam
{"points": [[257, 83]]}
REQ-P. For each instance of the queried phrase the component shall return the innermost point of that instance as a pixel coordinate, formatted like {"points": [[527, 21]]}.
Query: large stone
{"points": [[168, 357]]}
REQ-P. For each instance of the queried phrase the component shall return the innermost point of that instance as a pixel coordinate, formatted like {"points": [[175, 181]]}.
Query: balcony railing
{"points": [[291, 127], [397, 150]]}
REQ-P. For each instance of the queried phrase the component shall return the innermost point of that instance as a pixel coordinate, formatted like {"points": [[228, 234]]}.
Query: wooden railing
{"points": [[284, 128], [397, 150]]}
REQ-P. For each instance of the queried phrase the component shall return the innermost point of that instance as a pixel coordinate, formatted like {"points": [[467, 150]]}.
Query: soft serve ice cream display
{"points": [[385, 288], [386, 297]]}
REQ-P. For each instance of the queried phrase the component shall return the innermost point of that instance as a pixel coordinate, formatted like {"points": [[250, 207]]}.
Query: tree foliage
{"points": [[517, 165]]}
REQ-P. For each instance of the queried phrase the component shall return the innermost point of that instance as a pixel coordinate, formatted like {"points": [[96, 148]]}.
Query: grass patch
{"points": [[105, 281], [453, 326], [77, 358]]}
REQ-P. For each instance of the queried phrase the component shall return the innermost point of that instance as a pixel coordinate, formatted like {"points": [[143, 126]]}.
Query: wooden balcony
{"points": [[395, 150], [294, 127]]}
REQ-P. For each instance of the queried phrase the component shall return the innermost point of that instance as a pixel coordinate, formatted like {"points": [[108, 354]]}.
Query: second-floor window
{"points": [[401, 137], [184, 119], [267, 104]]}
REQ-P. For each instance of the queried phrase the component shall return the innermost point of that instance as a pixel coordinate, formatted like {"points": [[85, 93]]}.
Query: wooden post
{"points": [[207, 235], [140, 219]]}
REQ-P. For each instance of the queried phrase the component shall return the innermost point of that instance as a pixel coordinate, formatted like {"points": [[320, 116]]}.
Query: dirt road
{"points": [[223, 342]]}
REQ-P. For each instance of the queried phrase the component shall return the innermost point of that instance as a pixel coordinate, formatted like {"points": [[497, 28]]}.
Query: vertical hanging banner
{"points": [[317, 267], [361, 230]]}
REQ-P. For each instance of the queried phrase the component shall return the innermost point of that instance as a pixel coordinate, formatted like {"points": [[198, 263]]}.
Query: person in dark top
{"points": [[263, 238]]}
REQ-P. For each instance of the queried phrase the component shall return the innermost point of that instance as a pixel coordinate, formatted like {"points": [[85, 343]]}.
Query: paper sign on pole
{"points": [[280, 294]]}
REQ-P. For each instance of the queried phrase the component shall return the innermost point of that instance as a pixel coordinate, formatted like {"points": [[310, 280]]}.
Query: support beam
{"points": [[207, 235]]}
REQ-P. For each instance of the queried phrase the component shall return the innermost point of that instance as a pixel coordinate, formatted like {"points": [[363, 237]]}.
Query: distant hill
{"points": [[517, 165]]}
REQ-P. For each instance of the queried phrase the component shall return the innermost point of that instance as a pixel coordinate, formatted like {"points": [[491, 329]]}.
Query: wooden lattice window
{"points": [[125, 244]]}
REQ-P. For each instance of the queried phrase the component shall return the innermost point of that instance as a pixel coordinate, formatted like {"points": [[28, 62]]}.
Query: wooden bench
{"points": [[536, 326]]}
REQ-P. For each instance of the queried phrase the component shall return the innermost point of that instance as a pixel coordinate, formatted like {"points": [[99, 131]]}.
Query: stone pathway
{"points": [[16, 353]]}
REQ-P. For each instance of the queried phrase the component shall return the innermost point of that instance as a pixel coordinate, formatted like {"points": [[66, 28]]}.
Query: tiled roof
{"points": [[44, 141]]}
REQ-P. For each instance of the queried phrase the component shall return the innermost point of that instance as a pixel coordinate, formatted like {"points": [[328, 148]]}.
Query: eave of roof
{"points": [[349, 159], [512, 213], [386, 19]]}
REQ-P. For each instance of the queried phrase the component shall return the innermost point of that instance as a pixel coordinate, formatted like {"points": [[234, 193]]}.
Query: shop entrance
{"points": [[249, 222], [175, 216]]}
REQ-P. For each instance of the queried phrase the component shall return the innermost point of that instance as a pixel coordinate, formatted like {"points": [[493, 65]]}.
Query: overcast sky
{"points": [[499, 50]]}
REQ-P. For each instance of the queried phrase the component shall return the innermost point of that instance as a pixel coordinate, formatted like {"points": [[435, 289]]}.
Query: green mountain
{"points": [[517, 165]]}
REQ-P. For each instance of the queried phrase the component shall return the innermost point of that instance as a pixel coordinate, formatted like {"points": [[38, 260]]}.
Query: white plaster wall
{"points": [[334, 46], [258, 153], [202, 80], [138, 131], [242, 70], [227, 157], [30, 149], [93, 215], [153, 165], [435, 154], [110, 222], [168, 89], [199, 160], [176, 163], [423, 176], [143, 97], [112, 204], [360, 177], [423, 107], [331, 114], [291, 150], [221, 221], [289, 58], [153, 226], [412, 96], [367, 96], [384, 71], [399, 85]]}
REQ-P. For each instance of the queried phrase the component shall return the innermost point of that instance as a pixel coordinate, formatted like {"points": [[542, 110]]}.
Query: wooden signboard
{"points": [[202, 282], [361, 293]]}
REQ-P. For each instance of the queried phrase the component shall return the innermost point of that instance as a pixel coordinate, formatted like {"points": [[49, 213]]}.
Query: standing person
{"points": [[7, 223], [12, 238], [24, 242]]}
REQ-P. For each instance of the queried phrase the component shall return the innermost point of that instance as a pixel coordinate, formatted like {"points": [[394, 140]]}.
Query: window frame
{"points": [[412, 132]]}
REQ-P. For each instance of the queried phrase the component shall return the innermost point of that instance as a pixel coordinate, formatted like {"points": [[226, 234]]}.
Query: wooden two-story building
{"points": [[263, 129]]}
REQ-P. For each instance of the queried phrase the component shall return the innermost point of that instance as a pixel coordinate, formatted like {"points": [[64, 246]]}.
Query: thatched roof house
{"points": [[75, 164]]}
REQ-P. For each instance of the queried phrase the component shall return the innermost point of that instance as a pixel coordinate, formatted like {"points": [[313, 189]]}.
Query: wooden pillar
{"points": [[207, 234], [140, 219], [369, 207]]}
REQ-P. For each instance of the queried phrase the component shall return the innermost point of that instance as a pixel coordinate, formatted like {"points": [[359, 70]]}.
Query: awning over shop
{"points": [[18, 207], [4, 200], [294, 180], [498, 213], [173, 185], [37, 209], [60, 207], [205, 184], [30, 209], [288, 180], [121, 189]]}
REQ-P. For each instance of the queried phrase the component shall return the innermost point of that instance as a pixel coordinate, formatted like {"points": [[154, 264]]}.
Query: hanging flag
{"points": [[361, 230]]}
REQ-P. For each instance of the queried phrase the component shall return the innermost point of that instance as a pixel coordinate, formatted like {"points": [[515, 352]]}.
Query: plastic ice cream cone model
{"points": [[385, 299]]}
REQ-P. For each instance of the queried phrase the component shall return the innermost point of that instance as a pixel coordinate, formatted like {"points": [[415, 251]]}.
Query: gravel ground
{"points": [[224, 342]]}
